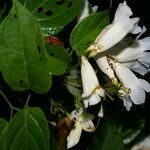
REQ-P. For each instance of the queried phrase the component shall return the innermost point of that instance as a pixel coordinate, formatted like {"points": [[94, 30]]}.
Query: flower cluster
{"points": [[117, 63]]}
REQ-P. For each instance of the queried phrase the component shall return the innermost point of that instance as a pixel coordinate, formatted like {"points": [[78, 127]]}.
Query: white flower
{"points": [[136, 51], [103, 64], [91, 88], [85, 10], [135, 57], [83, 122], [137, 87], [117, 30], [137, 67]]}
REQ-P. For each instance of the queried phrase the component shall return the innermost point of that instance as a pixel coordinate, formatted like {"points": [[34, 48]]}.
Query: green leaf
{"points": [[53, 15], [53, 139], [107, 137], [133, 131], [3, 124], [59, 53], [24, 61], [32, 5], [87, 30], [27, 131]]}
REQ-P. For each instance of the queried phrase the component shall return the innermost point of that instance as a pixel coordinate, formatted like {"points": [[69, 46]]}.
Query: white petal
{"points": [[126, 76], [137, 30], [130, 53], [127, 103], [144, 44], [123, 14], [143, 30], [85, 11], [92, 100], [141, 70], [110, 36], [74, 135], [105, 67], [89, 78], [76, 113], [144, 58], [88, 125], [137, 95], [129, 80], [122, 11], [145, 85], [137, 67], [101, 92], [134, 51]]}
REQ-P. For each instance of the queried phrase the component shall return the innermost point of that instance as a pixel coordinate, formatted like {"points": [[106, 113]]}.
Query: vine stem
{"points": [[27, 102], [12, 108], [71, 52]]}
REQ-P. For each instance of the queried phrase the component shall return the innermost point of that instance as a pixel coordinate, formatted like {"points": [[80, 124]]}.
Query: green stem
{"points": [[5, 98], [71, 52], [110, 5], [27, 102], [9, 104]]}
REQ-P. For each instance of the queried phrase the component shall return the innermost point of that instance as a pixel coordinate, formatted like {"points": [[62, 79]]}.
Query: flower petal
{"points": [[137, 95], [127, 103], [145, 58], [130, 53], [123, 11], [88, 125], [92, 100], [105, 67], [123, 14], [134, 51], [144, 44], [75, 114], [145, 85], [137, 67], [74, 135], [126, 76], [89, 78], [129, 80]]}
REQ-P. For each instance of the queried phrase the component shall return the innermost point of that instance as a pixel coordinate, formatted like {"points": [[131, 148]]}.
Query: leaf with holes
{"points": [[54, 15], [27, 131], [32, 5], [24, 61], [87, 30]]}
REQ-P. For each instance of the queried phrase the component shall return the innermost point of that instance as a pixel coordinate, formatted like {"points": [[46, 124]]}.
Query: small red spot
{"points": [[54, 40]]}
